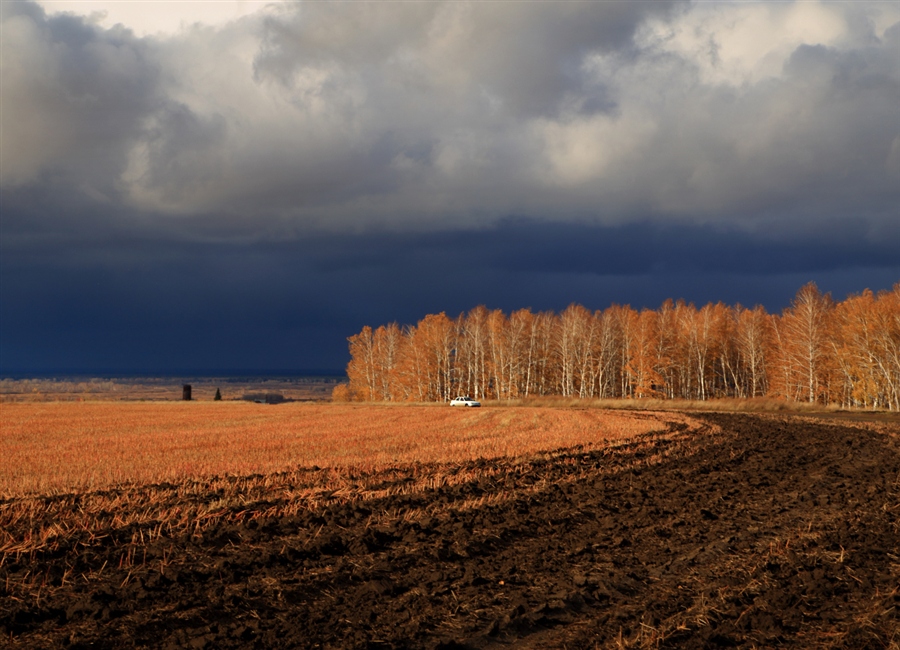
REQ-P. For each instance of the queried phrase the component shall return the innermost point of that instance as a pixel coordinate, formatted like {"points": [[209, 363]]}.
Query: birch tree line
{"points": [[816, 350]]}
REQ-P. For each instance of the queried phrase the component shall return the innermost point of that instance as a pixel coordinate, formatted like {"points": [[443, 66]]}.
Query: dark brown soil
{"points": [[773, 531]]}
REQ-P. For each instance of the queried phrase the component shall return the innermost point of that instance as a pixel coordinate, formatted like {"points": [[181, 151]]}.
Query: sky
{"points": [[235, 185]]}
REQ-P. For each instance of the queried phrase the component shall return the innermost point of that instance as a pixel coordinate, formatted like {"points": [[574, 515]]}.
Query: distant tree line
{"points": [[816, 350]]}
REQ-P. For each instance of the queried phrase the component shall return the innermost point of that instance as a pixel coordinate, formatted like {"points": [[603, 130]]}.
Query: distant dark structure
{"points": [[186, 392]]}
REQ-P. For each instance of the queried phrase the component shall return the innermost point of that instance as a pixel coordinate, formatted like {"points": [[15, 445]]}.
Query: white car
{"points": [[464, 401]]}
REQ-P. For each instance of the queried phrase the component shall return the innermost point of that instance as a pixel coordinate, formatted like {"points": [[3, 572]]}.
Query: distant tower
{"points": [[186, 392]]}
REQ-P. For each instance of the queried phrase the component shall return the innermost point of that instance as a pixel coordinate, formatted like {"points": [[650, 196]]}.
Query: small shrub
{"points": [[341, 393]]}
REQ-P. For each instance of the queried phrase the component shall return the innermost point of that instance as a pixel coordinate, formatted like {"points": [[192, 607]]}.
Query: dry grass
{"points": [[133, 516], [51, 448], [177, 468], [727, 404]]}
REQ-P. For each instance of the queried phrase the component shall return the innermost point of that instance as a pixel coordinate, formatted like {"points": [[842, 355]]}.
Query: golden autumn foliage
{"points": [[815, 351]]}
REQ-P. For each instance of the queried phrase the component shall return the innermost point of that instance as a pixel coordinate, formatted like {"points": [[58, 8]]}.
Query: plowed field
{"points": [[719, 530]]}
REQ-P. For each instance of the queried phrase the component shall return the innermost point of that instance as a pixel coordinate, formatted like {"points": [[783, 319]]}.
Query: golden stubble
{"points": [[60, 447]]}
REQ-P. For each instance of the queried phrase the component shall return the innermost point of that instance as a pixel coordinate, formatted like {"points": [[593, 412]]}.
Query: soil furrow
{"points": [[756, 531]]}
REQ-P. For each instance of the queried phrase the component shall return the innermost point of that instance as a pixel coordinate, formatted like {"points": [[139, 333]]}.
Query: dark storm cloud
{"points": [[133, 298], [528, 59], [251, 194]]}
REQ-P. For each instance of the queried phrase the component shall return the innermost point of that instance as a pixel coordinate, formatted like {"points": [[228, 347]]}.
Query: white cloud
{"points": [[744, 43]]}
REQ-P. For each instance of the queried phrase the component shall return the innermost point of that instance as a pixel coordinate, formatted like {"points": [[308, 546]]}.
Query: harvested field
{"points": [[719, 530], [62, 446]]}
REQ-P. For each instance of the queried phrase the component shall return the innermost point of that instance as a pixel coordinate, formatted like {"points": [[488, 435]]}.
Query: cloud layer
{"points": [[250, 193], [425, 115]]}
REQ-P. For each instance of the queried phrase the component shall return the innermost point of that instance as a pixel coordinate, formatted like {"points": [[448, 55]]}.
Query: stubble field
{"points": [[63, 446], [342, 526]]}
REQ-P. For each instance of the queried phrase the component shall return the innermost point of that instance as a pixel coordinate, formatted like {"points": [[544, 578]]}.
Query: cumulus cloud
{"points": [[73, 97], [357, 115]]}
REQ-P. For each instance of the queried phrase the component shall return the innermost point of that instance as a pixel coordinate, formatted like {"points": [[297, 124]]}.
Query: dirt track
{"points": [[757, 532]]}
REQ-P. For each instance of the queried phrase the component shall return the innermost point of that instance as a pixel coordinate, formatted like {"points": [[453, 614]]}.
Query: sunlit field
{"points": [[57, 447]]}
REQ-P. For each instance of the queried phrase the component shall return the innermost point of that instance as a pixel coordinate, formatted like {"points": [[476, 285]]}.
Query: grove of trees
{"points": [[816, 350]]}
